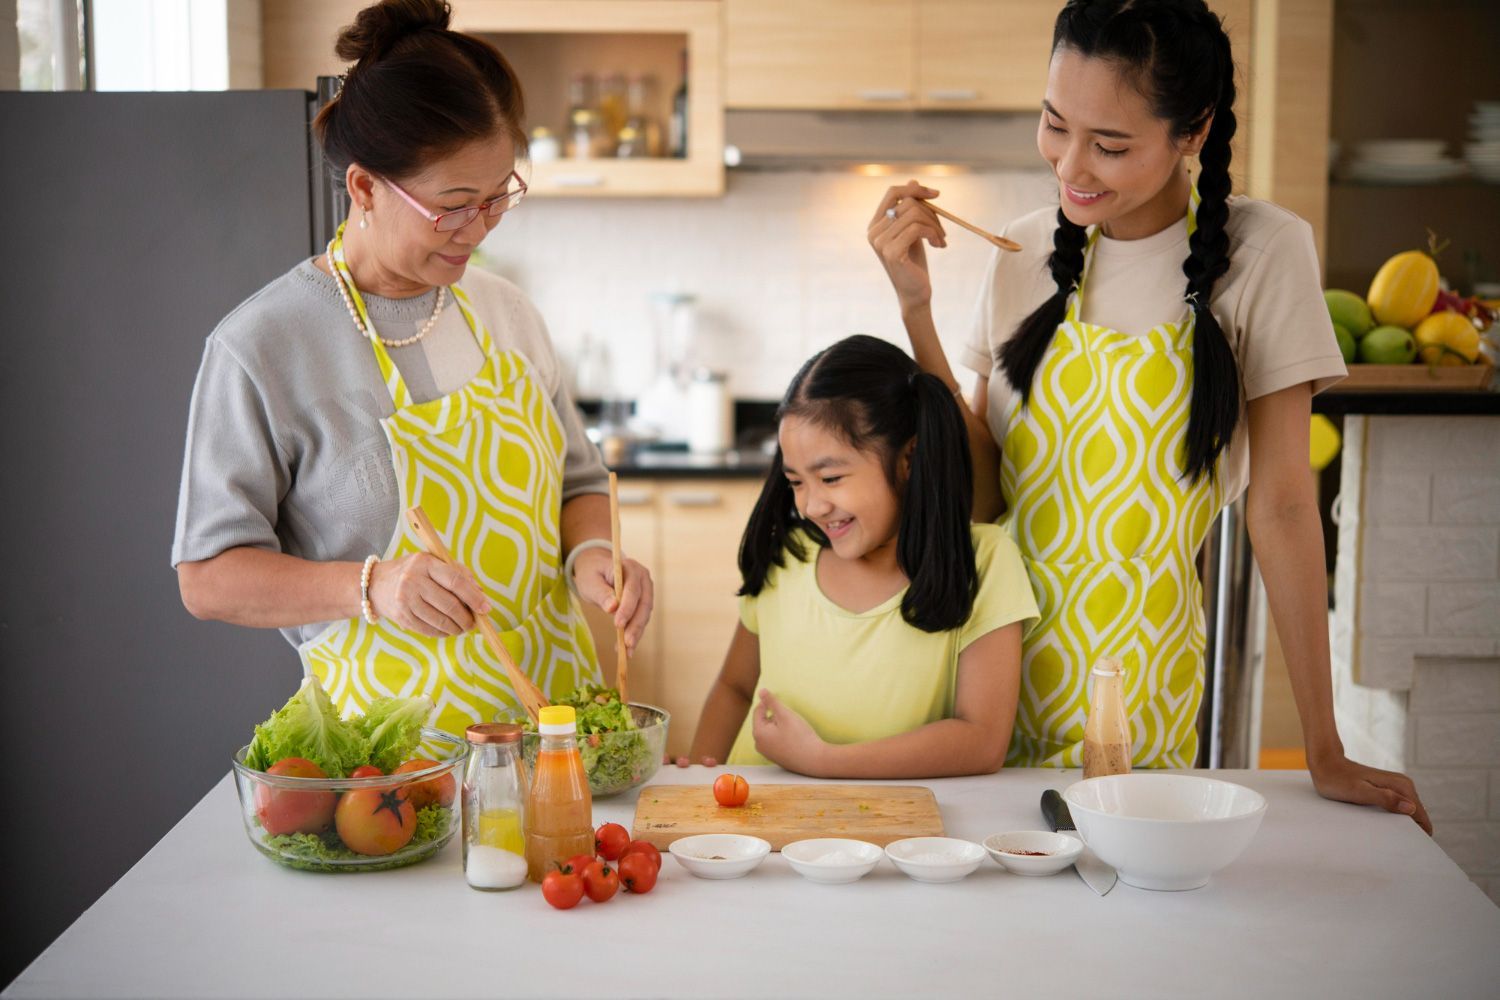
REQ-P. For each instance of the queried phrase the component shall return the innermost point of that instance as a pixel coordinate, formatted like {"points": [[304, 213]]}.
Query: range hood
{"points": [[849, 140]]}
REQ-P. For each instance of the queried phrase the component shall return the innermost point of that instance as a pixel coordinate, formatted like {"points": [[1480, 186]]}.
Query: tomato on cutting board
{"points": [[731, 790]]}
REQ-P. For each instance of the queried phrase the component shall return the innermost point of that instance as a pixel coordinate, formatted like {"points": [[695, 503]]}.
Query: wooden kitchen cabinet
{"points": [[547, 42], [687, 532], [979, 55]]}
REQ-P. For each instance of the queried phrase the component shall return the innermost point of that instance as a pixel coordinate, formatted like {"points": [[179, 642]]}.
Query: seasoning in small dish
{"points": [[1033, 852]]}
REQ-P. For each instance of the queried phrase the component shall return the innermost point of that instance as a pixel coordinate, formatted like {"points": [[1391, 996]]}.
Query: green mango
{"points": [[1347, 344], [1388, 345], [1349, 311]]}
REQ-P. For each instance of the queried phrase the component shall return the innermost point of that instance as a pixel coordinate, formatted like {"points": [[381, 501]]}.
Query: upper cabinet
{"points": [[665, 53], [978, 55]]}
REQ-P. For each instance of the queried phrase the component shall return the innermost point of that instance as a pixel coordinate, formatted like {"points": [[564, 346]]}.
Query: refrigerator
{"points": [[131, 224]]}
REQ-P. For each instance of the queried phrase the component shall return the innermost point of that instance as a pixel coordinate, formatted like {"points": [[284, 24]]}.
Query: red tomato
{"points": [[375, 820], [289, 810], [637, 873], [609, 840], [642, 847], [562, 890], [731, 790], [600, 881], [366, 771], [433, 791], [578, 863]]}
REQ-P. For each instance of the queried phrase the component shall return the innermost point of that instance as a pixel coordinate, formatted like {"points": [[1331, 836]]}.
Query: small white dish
{"points": [[719, 855], [935, 859], [1033, 852], [832, 860]]}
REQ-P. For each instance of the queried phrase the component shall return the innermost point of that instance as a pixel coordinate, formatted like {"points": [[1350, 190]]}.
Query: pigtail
{"points": [[769, 532], [934, 546], [1215, 409], [1020, 355]]}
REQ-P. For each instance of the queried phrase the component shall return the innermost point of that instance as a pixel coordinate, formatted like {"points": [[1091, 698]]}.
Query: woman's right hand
{"points": [[423, 594], [898, 241]]}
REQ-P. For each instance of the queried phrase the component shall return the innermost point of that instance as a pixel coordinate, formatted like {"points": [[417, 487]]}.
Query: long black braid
{"points": [[1177, 54]]}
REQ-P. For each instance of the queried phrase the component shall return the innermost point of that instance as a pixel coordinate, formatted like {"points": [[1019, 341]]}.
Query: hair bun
{"points": [[379, 27]]}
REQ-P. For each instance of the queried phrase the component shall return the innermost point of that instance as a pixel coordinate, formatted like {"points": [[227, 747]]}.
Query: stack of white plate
{"points": [[1403, 161], [1483, 149]]}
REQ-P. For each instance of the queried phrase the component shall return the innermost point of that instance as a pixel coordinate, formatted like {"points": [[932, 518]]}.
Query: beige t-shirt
{"points": [[1269, 304]]}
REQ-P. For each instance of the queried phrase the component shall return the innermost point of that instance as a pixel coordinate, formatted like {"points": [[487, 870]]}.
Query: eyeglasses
{"points": [[447, 222]]}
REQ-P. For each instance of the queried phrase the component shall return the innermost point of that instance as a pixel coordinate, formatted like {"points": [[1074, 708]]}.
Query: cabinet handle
{"points": [[635, 498], [701, 498], [884, 95], [956, 94], [578, 180]]}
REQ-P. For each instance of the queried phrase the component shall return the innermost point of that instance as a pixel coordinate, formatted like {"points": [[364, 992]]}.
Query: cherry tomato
{"points": [[562, 889], [731, 790], [642, 847], [375, 820], [578, 863], [609, 840], [637, 873], [600, 881], [366, 771], [288, 810], [433, 791]]}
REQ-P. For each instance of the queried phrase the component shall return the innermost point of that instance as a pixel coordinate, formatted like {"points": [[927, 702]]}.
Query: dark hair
{"points": [[871, 394], [416, 91], [1177, 55]]}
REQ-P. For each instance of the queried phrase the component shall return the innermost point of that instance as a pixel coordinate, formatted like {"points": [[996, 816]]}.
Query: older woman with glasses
{"points": [[369, 379]]}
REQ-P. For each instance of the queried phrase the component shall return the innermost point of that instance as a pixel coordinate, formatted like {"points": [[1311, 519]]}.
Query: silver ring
{"points": [[890, 213]]}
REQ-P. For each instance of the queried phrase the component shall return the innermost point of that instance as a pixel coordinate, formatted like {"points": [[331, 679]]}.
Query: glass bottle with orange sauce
{"points": [[1106, 735], [559, 807]]}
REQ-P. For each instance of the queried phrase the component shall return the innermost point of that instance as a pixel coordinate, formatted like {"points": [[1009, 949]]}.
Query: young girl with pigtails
{"points": [[1149, 355], [880, 630]]}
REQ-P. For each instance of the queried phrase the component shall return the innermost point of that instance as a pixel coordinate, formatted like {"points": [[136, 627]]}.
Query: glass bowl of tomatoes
{"points": [[615, 759], [354, 824]]}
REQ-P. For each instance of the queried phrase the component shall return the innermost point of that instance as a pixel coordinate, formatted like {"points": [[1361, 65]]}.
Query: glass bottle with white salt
{"points": [[494, 805]]}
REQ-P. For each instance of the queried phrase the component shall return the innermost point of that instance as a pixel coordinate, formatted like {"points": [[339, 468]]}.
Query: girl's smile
{"points": [[845, 492]]}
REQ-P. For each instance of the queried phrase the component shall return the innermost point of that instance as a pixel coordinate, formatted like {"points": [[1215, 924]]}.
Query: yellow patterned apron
{"points": [[485, 462], [1091, 472]]}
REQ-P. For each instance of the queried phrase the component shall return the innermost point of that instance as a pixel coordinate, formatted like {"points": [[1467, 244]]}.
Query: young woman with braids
{"points": [[1150, 354]]}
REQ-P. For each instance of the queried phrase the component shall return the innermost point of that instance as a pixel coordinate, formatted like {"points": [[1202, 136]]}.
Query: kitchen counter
{"points": [[740, 463], [1328, 900]]}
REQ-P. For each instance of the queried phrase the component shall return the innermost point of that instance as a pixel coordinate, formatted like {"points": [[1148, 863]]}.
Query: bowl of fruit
{"points": [[621, 742], [376, 791]]}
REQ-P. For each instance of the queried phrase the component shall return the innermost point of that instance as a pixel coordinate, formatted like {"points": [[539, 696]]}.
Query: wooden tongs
{"points": [[622, 659], [532, 698]]}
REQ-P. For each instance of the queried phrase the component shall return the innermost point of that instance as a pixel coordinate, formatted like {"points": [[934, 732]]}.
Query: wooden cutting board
{"points": [[782, 814]]}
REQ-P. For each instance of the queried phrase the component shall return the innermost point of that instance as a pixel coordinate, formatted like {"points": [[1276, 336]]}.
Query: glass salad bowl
{"points": [[355, 824], [621, 760]]}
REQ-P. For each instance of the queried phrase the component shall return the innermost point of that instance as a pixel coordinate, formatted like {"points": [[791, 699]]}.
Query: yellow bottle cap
{"points": [[557, 718]]}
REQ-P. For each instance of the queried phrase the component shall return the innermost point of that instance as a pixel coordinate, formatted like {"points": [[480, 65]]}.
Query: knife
{"points": [[1095, 873]]}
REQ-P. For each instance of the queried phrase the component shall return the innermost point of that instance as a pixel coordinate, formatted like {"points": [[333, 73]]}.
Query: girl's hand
{"points": [[423, 594], [594, 576], [898, 241], [784, 736], [1346, 781]]}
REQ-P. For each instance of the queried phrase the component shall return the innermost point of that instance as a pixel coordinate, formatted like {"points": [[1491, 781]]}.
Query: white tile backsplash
{"points": [[780, 267]]}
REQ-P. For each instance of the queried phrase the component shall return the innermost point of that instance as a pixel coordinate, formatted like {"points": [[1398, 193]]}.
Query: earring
{"points": [[364, 221]]}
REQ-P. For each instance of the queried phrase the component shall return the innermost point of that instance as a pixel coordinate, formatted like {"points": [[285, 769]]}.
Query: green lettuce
{"points": [[614, 763], [321, 852], [394, 728], [309, 726]]}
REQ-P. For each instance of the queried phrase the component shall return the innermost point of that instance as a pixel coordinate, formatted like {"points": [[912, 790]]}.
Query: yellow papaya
{"points": [[1404, 289], [1447, 338]]}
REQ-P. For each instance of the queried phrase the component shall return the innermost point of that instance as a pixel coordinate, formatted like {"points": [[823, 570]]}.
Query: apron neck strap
{"points": [[1075, 300]]}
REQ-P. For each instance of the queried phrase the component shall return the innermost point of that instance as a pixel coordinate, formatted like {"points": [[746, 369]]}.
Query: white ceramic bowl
{"points": [[719, 855], [935, 859], [1164, 831], [832, 860], [1050, 852]]}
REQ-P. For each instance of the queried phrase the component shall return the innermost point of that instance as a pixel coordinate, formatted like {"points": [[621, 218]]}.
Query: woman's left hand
{"points": [[594, 576], [783, 736], [1346, 781]]}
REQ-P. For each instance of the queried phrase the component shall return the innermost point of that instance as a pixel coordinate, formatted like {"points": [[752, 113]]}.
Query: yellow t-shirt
{"points": [[860, 677]]}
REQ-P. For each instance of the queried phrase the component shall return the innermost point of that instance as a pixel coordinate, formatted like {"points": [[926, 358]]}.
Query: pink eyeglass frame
{"points": [[473, 211]]}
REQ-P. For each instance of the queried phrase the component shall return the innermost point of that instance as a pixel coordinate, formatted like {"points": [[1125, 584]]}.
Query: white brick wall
{"points": [[1416, 627], [779, 264]]}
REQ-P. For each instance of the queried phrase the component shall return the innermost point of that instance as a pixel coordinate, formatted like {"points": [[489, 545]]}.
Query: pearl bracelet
{"points": [[364, 589]]}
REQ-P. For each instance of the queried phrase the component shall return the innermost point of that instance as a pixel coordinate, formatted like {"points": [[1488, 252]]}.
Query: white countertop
{"points": [[1330, 900]]}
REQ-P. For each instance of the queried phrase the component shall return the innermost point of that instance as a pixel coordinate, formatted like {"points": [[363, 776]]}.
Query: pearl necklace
{"points": [[359, 325]]}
